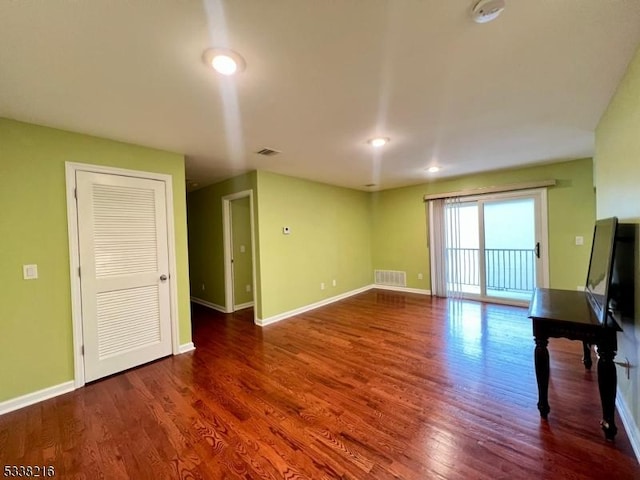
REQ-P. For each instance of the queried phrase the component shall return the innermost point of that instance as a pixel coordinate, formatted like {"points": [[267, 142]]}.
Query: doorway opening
{"points": [[239, 251]]}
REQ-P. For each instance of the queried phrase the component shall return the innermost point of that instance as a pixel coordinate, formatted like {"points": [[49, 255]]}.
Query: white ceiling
{"points": [[322, 77]]}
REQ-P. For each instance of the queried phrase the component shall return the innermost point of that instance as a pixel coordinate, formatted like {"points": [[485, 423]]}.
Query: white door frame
{"points": [[74, 255], [227, 240], [539, 194]]}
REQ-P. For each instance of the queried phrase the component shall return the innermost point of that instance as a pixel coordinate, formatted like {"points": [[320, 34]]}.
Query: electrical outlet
{"points": [[248, 287], [203, 287], [419, 276], [322, 286], [30, 272], [579, 240], [334, 283], [242, 249]]}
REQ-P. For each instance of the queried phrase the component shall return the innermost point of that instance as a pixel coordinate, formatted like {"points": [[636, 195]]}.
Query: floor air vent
{"points": [[391, 277]]}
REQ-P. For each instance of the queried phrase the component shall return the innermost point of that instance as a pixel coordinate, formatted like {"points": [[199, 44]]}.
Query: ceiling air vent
{"points": [[267, 152]]}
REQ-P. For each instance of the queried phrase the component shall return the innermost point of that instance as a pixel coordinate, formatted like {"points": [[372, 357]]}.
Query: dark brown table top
{"points": [[564, 306]]}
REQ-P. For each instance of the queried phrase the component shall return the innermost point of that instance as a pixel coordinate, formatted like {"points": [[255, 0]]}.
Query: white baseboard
{"points": [[186, 347], [35, 397], [243, 305], [419, 291], [633, 432], [281, 316], [213, 306]]}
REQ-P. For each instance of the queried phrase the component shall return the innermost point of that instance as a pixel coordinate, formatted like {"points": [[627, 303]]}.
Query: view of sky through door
{"points": [[509, 243]]}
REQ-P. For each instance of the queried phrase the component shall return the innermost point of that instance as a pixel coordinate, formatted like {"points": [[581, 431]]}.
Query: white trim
{"points": [[35, 397], [494, 189], [262, 322], [213, 306], [227, 241], [633, 431], [187, 347], [227, 246], [242, 306], [419, 291], [72, 226]]}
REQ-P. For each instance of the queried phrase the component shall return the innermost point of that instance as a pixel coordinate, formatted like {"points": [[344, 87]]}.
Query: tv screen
{"points": [[600, 266]]}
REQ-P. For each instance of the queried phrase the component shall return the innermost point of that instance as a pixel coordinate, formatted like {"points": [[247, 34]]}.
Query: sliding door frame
{"points": [[541, 231]]}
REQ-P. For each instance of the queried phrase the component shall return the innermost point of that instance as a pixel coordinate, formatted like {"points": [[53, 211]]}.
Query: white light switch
{"points": [[242, 249], [579, 240], [30, 272]]}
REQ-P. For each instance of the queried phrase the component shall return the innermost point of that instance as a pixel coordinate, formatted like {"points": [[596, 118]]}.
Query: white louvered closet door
{"points": [[124, 263]]}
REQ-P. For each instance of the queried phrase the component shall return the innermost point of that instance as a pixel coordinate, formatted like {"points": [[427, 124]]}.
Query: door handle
{"points": [[163, 278], [538, 249]]}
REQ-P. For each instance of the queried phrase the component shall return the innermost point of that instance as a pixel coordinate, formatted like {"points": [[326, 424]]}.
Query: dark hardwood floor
{"points": [[379, 386]]}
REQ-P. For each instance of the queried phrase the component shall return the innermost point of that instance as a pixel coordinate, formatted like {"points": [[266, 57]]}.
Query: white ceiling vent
{"points": [[486, 10], [268, 152]]}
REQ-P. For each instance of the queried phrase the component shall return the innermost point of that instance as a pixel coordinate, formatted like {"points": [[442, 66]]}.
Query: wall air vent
{"points": [[267, 152], [391, 277]]}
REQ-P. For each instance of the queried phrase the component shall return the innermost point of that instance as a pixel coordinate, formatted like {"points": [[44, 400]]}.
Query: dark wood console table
{"points": [[567, 314]]}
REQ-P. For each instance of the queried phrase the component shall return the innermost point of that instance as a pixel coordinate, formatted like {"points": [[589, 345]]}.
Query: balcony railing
{"points": [[510, 270]]}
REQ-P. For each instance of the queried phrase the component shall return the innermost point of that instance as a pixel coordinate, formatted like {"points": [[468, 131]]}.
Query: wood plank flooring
{"points": [[379, 386]]}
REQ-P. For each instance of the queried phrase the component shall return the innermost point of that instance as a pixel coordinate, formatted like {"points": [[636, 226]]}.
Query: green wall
{"points": [[206, 247], [617, 174], [329, 240], [399, 220], [241, 245], [35, 315]]}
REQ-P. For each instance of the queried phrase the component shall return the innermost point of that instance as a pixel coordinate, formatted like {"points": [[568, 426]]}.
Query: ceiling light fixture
{"points": [[433, 169], [224, 61], [378, 142], [486, 10]]}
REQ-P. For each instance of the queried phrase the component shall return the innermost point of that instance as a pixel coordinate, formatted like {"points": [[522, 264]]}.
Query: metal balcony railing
{"points": [[510, 270]]}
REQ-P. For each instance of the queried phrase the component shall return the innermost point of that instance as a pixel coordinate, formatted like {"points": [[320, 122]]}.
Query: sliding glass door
{"points": [[495, 246], [511, 248]]}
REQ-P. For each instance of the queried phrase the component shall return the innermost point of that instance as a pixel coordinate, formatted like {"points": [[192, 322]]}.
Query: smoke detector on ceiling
{"points": [[486, 10]]}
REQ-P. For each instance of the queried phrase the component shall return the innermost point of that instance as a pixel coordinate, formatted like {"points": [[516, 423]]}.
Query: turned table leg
{"points": [[607, 379], [541, 359]]}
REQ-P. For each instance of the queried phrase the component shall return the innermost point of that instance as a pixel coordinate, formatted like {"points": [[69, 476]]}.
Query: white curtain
{"points": [[444, 245], [437, 247]]}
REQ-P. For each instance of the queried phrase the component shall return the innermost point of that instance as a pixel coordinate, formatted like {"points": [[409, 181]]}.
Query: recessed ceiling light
{"points": [[224, 61], [433, 169], [378, 141], [224, 64]]}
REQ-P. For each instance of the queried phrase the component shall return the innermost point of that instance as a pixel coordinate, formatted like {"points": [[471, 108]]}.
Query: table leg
{"points": [[586, 355], [541, 359], [607, 379]]}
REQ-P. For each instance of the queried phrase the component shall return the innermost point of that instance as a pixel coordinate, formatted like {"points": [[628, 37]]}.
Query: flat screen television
{"points": [[601, 266]]}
